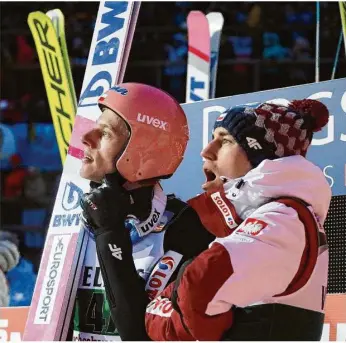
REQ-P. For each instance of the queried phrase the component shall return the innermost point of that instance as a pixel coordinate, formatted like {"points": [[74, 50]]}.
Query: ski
{"points": [[54, 295], [215, 20], [198, 66], [58, 21], [61, 96]]}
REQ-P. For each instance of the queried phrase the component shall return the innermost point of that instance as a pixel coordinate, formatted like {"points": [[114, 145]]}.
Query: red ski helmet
{"points": [[158, 126]]}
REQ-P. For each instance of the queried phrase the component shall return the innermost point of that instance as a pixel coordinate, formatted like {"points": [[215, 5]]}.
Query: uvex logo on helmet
{"points": [[143, 118]]}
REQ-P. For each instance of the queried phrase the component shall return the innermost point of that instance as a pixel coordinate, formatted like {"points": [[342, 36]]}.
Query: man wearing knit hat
{"points": [[265, 275]]}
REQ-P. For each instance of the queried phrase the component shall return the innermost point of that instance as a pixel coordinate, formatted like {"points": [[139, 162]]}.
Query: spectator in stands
{"points": [[273, 51], [301, 50], [14, 181], [176, 69], [25, 53], [35, 188], [9, 258]]}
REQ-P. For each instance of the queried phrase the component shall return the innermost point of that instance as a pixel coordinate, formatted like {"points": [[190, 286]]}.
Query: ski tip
{"points": [[195, 14], [215, 20], [198, 33], [215, 16]]}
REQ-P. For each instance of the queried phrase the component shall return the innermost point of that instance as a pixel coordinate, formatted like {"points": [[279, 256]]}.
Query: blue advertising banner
{"points": [[328, 149]]}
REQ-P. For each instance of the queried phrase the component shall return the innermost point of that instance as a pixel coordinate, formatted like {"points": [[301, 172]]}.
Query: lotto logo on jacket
{"points": [[162, 273]]}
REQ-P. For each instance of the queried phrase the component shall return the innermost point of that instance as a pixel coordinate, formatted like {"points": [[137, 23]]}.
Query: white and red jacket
{"points": [[270, 255]]}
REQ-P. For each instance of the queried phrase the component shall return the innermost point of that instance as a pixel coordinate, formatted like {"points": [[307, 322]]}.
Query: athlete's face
{"points": [[223, 157], [102, 144]]}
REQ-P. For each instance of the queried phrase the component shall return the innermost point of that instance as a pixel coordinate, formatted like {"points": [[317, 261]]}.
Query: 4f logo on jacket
{"points": [[116, 252]]}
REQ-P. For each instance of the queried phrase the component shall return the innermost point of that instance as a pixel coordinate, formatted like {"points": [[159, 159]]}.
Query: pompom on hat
{"points": [[270, 131]]}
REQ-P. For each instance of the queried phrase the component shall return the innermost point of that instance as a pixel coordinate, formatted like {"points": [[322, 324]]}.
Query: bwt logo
{"points": [[110, 40], [143, 118], [71, 197], [70, 201], [63, 220], [167, 263]]}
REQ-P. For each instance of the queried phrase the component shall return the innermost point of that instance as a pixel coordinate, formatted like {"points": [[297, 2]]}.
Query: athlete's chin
{"points": [[212, 186], [89, 174]]}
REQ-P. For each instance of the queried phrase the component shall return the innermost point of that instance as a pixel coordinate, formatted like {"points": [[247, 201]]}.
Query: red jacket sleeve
{"points": [[196, 289]]}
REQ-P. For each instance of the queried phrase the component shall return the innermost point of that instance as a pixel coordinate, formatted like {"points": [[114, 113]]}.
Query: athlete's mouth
{"points": [[87, 158], [209, 175]]}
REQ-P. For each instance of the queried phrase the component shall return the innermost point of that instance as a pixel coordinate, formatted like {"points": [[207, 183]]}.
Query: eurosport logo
{"points": [[52, 276], [166, 263]]}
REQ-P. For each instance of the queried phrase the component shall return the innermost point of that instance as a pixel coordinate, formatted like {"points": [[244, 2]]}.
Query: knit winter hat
{"points": [[270, 131]]}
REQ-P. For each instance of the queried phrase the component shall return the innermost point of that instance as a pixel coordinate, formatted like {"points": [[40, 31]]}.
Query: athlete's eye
{"points": [[105, 134]]}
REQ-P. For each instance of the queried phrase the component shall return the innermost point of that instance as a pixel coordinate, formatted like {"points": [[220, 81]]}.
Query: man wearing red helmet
{"points": [[139, 138], [265, 275]]}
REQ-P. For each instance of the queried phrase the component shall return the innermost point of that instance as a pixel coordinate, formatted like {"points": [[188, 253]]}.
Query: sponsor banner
{"points": [[327, 150]]}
